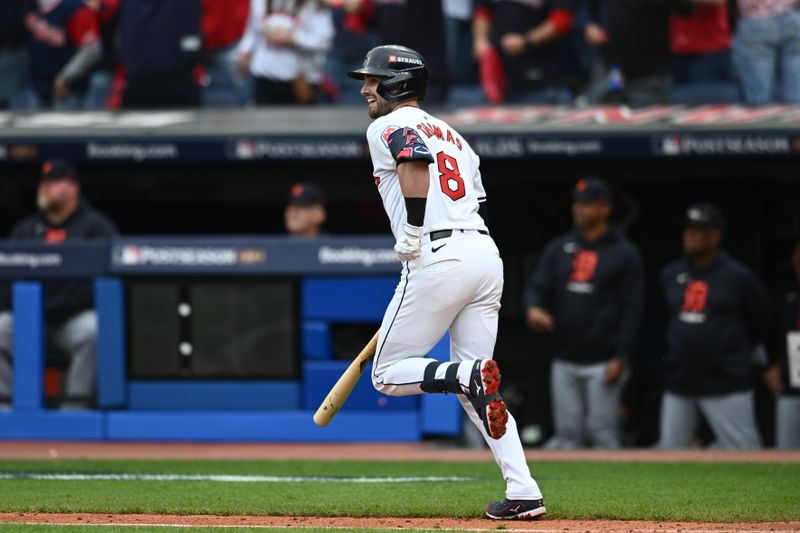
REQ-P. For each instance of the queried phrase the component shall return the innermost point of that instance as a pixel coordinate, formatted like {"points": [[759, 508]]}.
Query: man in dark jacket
{"points": [[160, 46], [69, 304], [588, 291], [418, 24], [718, 313], [638, 48], [528, 37]]}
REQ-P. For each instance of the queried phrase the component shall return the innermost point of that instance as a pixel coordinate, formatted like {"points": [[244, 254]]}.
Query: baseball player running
{"points": [[452, 275]]}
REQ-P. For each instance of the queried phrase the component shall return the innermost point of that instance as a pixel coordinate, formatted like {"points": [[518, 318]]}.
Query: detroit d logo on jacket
{"points": [[584, 267], [695, 298]]}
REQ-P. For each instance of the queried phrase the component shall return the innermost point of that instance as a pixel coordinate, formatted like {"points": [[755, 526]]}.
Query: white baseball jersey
{"points": [[455, 180], [454, 285]]}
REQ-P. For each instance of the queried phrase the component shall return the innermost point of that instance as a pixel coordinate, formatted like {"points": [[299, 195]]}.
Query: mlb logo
{"points": [[245, 149], [130, 255], [671, 146]]}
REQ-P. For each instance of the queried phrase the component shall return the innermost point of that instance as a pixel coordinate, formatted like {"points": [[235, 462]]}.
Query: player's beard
{"points": [[381, 108], [50, 204]]}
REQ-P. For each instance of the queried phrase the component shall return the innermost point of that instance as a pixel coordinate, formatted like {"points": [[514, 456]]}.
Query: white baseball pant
{"points": [[454, 285]]}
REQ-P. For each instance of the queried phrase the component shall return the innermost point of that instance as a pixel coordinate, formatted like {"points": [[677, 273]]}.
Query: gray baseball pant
{"points": [[731, 417], [585, 409], [77, 337], [787, 423]]}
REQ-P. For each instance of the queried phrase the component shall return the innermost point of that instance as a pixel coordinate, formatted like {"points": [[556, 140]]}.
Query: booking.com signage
{"points": [[32, 261]]}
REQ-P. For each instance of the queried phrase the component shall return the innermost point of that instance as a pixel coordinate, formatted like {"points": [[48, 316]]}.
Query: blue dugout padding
{"points": [[210, 395], [316, 339], [29, 335], [320, 376], [53, 425], [111, 372], [441, 414], [289, 426], [347, 299], [28, 307]]}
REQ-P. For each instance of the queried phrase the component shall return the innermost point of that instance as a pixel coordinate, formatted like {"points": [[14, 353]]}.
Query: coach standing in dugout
{"points": [[718, 314], [588, 292], [69, 303], [305, 211]]}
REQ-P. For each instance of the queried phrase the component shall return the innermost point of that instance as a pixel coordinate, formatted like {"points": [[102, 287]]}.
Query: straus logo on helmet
{"points": [[401, 59]]}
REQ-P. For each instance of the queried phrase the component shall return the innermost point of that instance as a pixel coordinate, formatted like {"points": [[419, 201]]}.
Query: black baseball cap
{"points": [[57, 169], [306, 194], [704, 216], [591, 190]]}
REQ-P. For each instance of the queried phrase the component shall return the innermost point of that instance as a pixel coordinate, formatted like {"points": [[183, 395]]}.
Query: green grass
{"points": [[649, 491]]}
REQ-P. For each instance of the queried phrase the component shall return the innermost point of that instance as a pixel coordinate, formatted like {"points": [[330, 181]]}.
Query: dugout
{"points": [[206, 174]]}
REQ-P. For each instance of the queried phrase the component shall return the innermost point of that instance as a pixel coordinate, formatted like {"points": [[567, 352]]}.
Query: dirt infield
{"points": [[475, 524], [393, 452], [365, 452]]}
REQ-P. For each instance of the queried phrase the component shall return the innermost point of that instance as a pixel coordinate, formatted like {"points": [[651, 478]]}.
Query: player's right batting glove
{"points": [[409, 243]]}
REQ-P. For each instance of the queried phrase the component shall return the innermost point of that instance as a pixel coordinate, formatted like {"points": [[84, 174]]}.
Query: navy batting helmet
{"points": [[404, 72]]}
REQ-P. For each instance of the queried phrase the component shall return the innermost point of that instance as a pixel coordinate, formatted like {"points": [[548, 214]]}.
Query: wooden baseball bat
{"points": [[341, 390]]}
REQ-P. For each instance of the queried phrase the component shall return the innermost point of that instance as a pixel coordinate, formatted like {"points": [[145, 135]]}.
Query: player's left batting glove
{"points": [[409, 243]]}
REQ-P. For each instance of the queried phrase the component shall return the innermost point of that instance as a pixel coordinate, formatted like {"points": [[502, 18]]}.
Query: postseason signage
{"points": [[668, 131], [338, 134], [276, 256]]}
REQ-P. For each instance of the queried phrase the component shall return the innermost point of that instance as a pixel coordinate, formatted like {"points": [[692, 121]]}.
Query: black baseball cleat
{"points": [[516, 510], [484, 386]]}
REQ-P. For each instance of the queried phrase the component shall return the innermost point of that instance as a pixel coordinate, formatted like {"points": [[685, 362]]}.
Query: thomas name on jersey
{"points": [[431, 130]]}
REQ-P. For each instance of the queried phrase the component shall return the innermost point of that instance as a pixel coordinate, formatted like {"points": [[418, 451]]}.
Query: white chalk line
{"points": [[496, 529], [228, 478]]}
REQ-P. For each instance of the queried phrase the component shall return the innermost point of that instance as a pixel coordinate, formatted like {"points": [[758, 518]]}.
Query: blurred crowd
{"points": [[148, 54]]}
